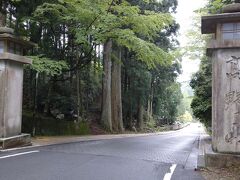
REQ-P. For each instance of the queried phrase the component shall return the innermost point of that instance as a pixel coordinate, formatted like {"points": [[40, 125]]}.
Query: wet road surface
{"points": [[171, 155]]}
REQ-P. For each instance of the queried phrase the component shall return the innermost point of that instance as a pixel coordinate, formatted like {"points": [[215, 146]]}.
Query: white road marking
{"points": [[18, 154], [168, 176]]}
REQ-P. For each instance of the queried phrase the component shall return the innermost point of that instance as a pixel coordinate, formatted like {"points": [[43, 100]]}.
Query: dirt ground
{"points": [[230, 173]]}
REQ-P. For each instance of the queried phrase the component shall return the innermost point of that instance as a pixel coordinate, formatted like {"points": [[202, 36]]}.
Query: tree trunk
{"points": [[117, 120], [2, 20], [131, 124], [106, 99], [3, 14], [35, 106], [149, 109], [47, 103], [140, 115], [150, 102], [78, 96]]}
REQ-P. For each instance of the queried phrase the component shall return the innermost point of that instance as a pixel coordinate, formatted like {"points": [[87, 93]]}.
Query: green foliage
{"points": [[137, 87], [125, 24], [215, 6], [196, 45], [146, 52], [185, 104], [51, 14], [168, 103], [151, 123], [202, 84], [48, 66], [163, 72], [186, 117]]}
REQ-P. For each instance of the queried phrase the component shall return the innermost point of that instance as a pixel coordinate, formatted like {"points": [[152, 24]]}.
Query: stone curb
{"points": [[90, 138], [201, 154], [85, 139]]}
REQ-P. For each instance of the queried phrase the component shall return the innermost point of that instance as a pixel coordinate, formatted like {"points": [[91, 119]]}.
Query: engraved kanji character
{"points": [[237, 97], [229, 98], [235, 69]]}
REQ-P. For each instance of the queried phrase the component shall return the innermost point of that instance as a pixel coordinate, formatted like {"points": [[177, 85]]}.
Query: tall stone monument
{"points": [[224, 51], [11, 85]]}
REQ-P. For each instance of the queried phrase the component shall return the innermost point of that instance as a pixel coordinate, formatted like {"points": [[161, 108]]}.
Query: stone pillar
{"points": [[226, 100], [224, 51], [11, 85]]}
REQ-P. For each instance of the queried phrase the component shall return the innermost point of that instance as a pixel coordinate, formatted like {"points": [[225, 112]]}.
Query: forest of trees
{"points": [[109, 61]]}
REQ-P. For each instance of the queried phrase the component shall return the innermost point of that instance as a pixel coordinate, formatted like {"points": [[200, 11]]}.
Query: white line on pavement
{"points": [[18, 154], [168, 176]]}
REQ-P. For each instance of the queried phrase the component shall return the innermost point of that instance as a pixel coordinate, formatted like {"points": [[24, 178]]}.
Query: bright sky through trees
{"points": [[184, 17]]}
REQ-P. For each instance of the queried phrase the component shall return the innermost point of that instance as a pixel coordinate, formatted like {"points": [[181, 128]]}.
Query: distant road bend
{"points": [[169, 156]]}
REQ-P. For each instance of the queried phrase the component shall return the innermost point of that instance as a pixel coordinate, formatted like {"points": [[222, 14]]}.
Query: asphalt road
{"points": [[158, 157]]}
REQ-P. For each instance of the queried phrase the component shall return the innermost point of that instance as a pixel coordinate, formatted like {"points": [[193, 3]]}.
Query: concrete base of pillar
{"points": [[221, 160], [15, 141], [208, 158]]}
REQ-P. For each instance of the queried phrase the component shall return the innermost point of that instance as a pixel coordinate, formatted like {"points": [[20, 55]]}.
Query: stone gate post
{"points": [[224, 51], [11, 85]]}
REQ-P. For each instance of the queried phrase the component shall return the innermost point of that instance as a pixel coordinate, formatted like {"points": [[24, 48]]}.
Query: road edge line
{"points": [[19, 154]]}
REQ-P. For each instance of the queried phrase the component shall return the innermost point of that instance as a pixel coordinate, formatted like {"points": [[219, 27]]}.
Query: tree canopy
{"points": [[87, 50]]}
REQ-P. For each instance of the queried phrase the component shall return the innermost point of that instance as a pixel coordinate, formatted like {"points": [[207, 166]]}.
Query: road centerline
{"points": [[18, 154]]}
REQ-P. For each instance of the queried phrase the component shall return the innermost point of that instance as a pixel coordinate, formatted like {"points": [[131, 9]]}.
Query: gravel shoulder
{"points": [[230, 173]]}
